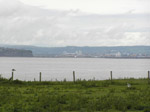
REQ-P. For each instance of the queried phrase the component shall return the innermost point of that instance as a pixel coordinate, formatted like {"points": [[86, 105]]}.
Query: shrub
{"points": [[17, 82]]}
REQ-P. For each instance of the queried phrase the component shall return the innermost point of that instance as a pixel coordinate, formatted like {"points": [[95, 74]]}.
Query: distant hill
{"points": [[124, 51], [11, 52]]}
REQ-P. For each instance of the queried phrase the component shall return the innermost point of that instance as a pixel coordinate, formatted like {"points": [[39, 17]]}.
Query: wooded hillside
{"points": [[9, 52]]}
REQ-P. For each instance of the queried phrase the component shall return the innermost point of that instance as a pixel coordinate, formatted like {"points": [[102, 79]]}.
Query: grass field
{"points": [[81, 96]]}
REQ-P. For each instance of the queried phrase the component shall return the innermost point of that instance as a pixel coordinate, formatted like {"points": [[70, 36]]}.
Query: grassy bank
{"points": [[82, 96]]}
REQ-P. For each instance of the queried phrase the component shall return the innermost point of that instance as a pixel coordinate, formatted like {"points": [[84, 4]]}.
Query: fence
{"points": [[41, 77]]}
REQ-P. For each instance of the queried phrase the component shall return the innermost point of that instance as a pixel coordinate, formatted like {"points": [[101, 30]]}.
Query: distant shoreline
{"points": [[80, 57]]}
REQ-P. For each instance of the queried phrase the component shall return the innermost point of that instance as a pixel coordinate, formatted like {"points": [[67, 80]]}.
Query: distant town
{"points": [[79, 54]]}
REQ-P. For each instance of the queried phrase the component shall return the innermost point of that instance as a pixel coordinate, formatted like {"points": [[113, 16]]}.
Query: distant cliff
{"points": [[10, 52]]}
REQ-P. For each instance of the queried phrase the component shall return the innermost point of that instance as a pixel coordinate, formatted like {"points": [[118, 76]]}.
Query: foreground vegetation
{"points": [[81, 96]]}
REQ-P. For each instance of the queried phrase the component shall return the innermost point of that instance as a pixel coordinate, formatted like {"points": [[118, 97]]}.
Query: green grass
{"points": [[82, 96]]}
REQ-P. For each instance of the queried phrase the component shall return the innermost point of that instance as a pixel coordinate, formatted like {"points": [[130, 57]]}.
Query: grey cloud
{"points": [[30, 25]]}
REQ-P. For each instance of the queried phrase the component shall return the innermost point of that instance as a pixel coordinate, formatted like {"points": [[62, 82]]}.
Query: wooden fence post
{"points": [[111, 76], [40, 77], [12, 76], [74, 77], [148, 77]]}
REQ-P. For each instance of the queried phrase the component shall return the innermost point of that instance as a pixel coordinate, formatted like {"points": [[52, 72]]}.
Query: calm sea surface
{"points": [[86, 68]]}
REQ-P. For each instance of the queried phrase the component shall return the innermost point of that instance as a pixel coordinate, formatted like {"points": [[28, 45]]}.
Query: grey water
{"points": [[62, 68]]}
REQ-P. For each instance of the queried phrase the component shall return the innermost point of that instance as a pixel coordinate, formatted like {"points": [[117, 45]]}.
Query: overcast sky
{"points": [[75, 22]]}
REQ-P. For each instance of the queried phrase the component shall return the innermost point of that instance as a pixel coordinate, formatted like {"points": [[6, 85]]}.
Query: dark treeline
{"points": [[10, 52]]}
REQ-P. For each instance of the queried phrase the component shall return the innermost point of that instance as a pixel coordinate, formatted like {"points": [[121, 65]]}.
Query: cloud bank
{"points": [[22, 24]]}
